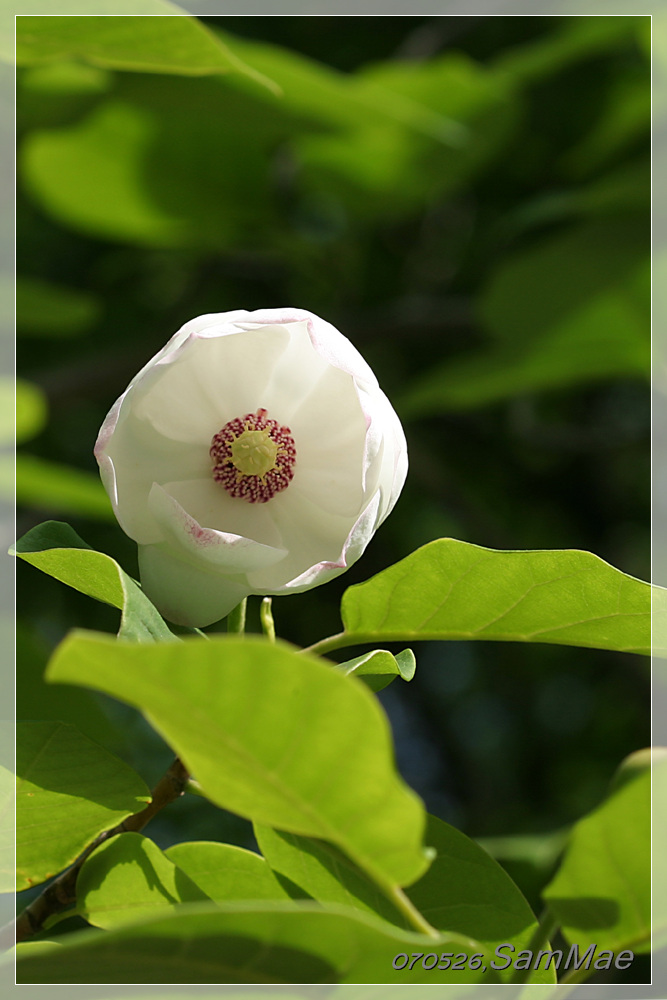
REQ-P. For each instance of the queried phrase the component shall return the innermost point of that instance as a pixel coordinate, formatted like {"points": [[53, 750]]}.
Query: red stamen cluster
{"points": [[253, 489]]}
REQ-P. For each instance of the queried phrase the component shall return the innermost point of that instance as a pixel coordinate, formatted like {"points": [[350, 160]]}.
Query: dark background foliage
{"points": [[487, 253]]}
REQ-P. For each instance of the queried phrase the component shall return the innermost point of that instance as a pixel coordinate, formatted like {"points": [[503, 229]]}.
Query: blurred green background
{"points": [[467, 199]]}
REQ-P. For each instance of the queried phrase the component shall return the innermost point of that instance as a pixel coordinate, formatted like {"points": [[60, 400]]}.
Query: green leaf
{"points": [[602, 891], [324, 873], [128, 878], [56, 549], [69, 790], [180, 45], [264, 942], [529, 859], [464, 891], [226, 872], [44, 309], [227, 706], [379, 668], [43, 484], [454, 590]]}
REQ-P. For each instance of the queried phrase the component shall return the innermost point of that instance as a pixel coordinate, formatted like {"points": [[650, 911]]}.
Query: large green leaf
{"points": [[264, 942], [464, 891], [227, 872], [69, 790], [454, 590], [129, 878], [270, 734], [176, 44], [56, 549], [602, 890]]}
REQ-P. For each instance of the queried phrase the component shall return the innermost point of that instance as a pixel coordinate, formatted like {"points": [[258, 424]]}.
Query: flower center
{"points": [[253, 457], [254, 453]]}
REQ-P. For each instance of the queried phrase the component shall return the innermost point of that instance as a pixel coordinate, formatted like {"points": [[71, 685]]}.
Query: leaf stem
{"points": [[547, 924], [61, 893], [266, 619], [405, 905], [236, 618], [330, 643]]}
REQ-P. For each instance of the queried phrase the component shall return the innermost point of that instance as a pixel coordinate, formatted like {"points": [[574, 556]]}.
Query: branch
{"points": [[61, 893]]}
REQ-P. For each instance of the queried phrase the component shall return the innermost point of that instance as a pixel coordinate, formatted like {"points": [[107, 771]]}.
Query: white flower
{"points": [[255, 454]]}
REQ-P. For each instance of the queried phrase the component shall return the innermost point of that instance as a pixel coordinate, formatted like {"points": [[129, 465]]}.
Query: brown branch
{"points": [[61, 893]]}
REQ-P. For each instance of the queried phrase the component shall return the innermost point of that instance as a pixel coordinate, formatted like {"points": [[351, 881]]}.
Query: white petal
{"points": [[132, 456], [329, 430], [227, 551], [309, 534], [210, 381], [161, 429], [187, 594], [324, 569], [388, 467]]}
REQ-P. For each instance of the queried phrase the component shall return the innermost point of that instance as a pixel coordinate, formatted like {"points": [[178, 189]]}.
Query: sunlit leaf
{"points": [[129, 878], [464, 891], [69, 790], [324, 873], [56, 549], [454, 590], [602, 890], [227, 707], [226, 872], [137, 43], [265, 942], [379, 668]]}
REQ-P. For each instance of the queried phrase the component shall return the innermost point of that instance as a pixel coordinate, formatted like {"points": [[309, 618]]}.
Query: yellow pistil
{"points": [[254, 453]]}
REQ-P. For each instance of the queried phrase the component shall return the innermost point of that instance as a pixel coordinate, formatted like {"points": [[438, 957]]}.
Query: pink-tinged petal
{"points": [[224, 550], [321, 572]]}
